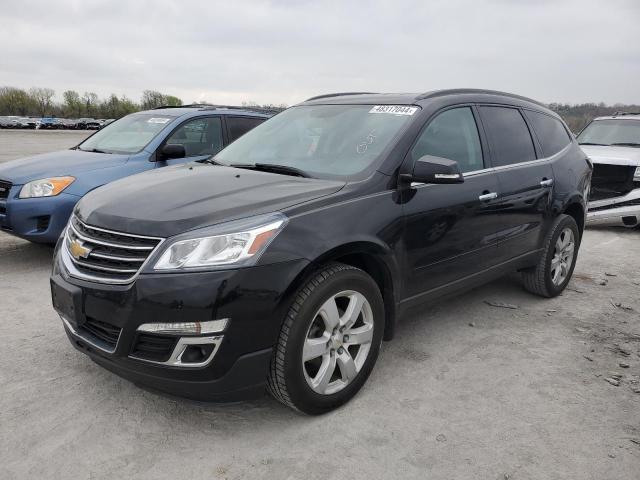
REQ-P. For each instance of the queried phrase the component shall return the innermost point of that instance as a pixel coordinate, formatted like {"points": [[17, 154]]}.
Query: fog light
{"points": [[196, 353], [185, 328]]}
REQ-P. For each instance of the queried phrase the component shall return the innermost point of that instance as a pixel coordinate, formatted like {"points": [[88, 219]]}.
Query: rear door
{"points": [[449, 231], [525, 180]]}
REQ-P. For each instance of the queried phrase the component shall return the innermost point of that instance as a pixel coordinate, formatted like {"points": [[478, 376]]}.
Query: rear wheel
{"points": [[555, 267], [329, 341]]}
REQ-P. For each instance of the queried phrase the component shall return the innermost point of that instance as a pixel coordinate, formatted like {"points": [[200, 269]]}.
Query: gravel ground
{"points": [[466, 390]]}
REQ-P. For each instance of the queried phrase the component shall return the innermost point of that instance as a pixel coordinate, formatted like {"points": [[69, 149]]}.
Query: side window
{"points": [[453, 134], [200, 136], [550, 132], [238, 126], [509, 135]]}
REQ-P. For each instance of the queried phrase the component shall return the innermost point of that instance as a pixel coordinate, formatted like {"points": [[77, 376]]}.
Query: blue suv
{"points": [[37, 194]]}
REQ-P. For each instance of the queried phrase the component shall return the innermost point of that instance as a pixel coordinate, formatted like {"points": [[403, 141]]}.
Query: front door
{"points": [[450, 230], [201, 138]]}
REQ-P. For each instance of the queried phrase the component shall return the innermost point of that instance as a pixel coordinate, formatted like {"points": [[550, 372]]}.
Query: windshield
{"points": [[127, 135], [611, 132], [325, 141]]}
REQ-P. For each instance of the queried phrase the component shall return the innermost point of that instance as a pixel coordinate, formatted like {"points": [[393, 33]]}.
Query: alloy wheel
{"points": [[562, 256], [338, 342]]}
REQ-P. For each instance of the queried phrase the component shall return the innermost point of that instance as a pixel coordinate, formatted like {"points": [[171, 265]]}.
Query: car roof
{"points": [[470, 95], [219, 109]]}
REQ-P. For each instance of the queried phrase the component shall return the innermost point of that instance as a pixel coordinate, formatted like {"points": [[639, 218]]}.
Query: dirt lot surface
{"points": [[548, 389]]}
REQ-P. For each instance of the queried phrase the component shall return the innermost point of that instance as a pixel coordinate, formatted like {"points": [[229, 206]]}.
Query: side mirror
{"points": [[170, 151], [431, 169]]}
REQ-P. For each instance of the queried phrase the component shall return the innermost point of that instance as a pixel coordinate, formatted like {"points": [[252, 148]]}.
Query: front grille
{"points": [[104, 255], [609, 181], [104, 332], [156, 348], [4, 188]]}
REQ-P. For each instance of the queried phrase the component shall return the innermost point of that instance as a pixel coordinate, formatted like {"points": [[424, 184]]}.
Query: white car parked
{"points": [[613, 145]]}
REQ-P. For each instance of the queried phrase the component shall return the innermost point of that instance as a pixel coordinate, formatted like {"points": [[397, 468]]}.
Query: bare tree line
{"points": [[39, 102]]}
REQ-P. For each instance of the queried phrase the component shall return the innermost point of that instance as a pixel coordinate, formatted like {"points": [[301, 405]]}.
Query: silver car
{"points": [[613, 145]]}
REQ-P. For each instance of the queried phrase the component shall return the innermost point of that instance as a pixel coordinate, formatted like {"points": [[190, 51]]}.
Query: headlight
{"points": [[46, 187], [237, 243]]}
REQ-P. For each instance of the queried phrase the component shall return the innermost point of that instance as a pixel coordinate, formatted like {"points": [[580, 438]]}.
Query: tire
{"points": [[542, 279], [311, 387]]}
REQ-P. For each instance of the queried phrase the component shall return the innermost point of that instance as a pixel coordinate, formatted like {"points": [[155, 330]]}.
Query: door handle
{"points": [[546, 182], [487, 196]]}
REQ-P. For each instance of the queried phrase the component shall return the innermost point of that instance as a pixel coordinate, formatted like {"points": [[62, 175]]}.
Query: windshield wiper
{"points": [[272, 168], [627, 144], [94, 150], [598, 144], [210, 161]]}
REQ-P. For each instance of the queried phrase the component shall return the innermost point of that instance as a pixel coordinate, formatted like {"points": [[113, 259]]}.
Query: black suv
{"points": [[286, 259]]}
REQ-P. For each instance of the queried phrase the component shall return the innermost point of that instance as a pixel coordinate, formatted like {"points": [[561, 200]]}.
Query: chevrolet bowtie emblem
{"points": [[78, 250]]}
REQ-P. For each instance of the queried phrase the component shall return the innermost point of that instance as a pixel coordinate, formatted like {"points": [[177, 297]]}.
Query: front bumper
{"points": [[252, 299], [36, 219], [621, 211]]}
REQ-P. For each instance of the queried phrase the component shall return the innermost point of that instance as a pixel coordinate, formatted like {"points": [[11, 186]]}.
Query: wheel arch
{"points": [[372, 259], [576, 210]]}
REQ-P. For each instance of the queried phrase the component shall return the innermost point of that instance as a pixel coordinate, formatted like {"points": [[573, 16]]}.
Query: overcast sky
{"points": [[285, 51]]}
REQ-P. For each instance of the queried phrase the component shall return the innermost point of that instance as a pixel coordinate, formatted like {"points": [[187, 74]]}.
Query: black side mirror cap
{"points": [[431, 169], [170, 151]]}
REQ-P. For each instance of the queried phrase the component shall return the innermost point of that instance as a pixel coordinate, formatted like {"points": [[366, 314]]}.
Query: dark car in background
{"points": [[285, 259], [38, 193]]}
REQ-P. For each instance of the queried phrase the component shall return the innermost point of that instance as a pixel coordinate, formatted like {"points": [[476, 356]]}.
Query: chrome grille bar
{"points": [[105, 256]]}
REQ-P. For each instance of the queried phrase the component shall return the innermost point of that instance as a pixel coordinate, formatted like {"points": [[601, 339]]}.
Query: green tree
{"points": [[172, 101], [154, 99], [15, 101], [72, 103], [90, 100], [42, 98]]}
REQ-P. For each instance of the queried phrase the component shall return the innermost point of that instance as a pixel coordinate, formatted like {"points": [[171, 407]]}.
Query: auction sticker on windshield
{"points": [[394, 109], [158, 120]]}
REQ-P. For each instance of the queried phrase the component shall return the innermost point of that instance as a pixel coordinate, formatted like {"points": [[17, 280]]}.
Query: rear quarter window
{"points": [[551, 133], [238, 126]]}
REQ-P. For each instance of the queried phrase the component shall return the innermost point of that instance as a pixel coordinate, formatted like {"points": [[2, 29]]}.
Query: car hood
{"points": [[56, 164], [174, 200], [603, 154]]}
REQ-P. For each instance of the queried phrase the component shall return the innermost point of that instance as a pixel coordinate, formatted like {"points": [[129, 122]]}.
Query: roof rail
{"points": [[208, 106], [192, 105], [340, 94], [617, 114], [265, 110], [458, 91]]}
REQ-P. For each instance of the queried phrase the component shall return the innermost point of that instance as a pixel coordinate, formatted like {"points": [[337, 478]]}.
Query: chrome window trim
{"points": [[483, 171], [76, 334]]}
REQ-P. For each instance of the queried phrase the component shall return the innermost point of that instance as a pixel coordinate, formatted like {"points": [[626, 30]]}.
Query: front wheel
{"points": [[329, 341], [555, 267]]}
